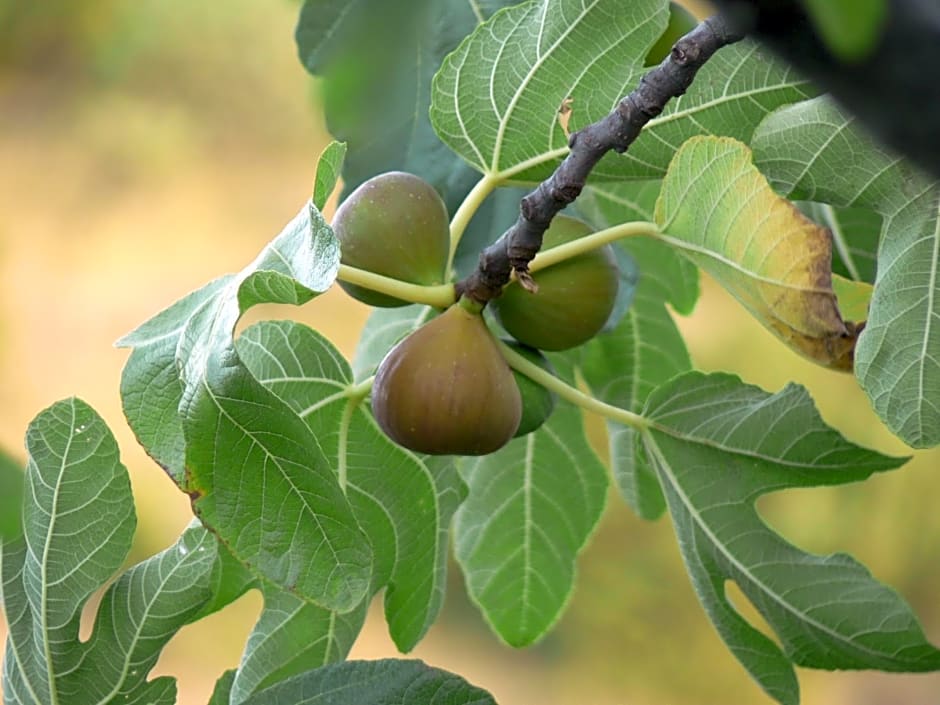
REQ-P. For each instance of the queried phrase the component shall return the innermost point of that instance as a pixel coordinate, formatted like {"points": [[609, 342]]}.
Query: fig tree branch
{"points": [[617, 131]]}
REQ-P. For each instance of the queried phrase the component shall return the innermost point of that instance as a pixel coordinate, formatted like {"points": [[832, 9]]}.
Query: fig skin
{"points": [[681, 22], [395, 224], [538, 403], [574, 298], [446, 389]]}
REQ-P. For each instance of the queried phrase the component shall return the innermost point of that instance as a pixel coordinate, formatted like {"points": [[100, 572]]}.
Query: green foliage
{"points": [[79, 520], [813, 151], [11, 497], [850, 28], [300, 495], [716, 445]]}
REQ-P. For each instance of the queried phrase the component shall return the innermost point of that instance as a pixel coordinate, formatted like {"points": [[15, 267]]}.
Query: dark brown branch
{"points": [[617, 131]]}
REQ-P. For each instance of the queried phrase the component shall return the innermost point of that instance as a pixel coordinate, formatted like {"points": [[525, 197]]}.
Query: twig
{"points": [[617, 131]]}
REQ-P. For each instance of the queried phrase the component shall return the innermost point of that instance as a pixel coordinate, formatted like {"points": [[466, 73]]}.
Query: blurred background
{"points": [[147, 147]]}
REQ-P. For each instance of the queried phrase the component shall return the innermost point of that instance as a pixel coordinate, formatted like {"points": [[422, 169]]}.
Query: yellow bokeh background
{"points": [[148, 147]]}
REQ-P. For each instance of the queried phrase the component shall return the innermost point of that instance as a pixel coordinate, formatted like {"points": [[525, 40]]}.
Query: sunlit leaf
{"points": [[854, 297], [496, 99], [386, 682], [716, 445], [403, 502], [814, 151], [718, 211], [531, 508], [329, 167]]}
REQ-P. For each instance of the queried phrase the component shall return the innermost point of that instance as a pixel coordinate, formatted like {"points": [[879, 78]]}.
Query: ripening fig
{"points": [[574, 298], [681, 22], [446, 389], [538, 403], [396, 225]]}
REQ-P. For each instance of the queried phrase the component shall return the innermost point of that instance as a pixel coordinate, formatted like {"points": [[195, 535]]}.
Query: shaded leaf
{"points": [[221, 694], [531, 508], [850, 28], [11, 498], [346, 43], [716, 445], [384, 328], [814, 151], [403, 502], [718, 210], [625, 365], [855, 235], [385, 682]]}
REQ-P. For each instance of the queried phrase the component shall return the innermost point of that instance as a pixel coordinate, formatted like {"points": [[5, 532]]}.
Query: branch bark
{"points": [[617, 131]]}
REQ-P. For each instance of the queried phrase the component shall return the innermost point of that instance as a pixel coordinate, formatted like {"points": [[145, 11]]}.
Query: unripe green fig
{"points": [[396, 225], [574, 298], [446, 389], [681, 22], [538, 403]]}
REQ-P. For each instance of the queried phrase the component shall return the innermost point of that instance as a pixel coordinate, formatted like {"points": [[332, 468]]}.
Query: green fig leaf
{"points": [[849, 28], [717, 445], [79, 522], [814, 151], [624, 366], [395, 501], [758, 246], [329, 168], [646, 349], [227, 447], [385, 682], [291, 637], [495, 100], [222, 693], [384, 328], [855, 236], [531, 508], [346, 44], [11, 498]]}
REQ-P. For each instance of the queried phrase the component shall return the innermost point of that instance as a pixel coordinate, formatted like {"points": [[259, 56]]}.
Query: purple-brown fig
{"points": [[446, 389], [574, 299], [396, 225]]}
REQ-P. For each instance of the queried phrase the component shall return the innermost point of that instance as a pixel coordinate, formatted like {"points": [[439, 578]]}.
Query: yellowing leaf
{"points": [[719, 211]]}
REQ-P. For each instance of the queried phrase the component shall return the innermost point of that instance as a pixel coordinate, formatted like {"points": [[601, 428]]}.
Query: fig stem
{"points": [[438, 296], [547, 258], [569, 393], [458, 224], [358, 392]]}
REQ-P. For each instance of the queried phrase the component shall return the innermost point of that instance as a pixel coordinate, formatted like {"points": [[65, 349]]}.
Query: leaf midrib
{"points": [[664, 468]]}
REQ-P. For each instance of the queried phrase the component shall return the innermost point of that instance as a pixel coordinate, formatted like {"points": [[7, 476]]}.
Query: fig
{"points": [[538, 403], [446, 389], [396, 225], [681, 22], [574, 298]]}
